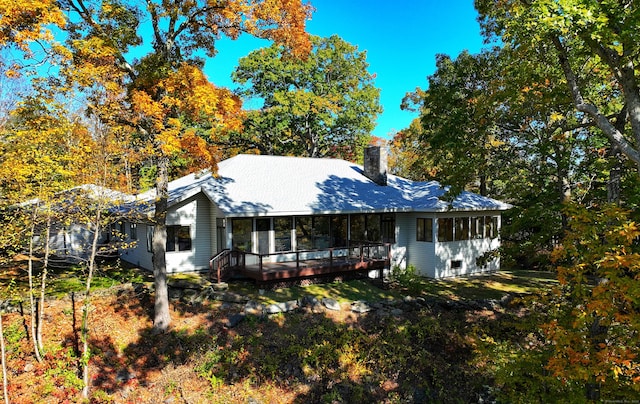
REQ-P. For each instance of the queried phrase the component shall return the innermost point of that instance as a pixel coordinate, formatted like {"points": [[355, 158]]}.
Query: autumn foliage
{"points": [[595, 332]]}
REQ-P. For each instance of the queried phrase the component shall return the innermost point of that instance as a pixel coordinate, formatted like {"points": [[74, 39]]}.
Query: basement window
{"points": [[456, 264]]}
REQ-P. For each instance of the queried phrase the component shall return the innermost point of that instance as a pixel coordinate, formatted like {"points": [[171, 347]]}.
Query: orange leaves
{"points": [[189, 91], [199, 154], [145, 108], [282, 21], [186, 96], [595, 331]]}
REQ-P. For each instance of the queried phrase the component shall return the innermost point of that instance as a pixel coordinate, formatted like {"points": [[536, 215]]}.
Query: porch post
{"points": [[331, 258]]}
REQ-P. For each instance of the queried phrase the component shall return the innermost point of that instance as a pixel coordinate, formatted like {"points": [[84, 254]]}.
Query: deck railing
{"points": [[222, 263], [362, 251]]}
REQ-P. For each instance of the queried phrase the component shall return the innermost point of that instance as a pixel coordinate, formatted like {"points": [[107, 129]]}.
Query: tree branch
{"points": [[154, 22], [590, 109], [85, 14]]}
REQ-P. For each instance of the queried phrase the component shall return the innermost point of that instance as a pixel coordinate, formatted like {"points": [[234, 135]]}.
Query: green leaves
{"points": [[325, 105], [594, 43]]}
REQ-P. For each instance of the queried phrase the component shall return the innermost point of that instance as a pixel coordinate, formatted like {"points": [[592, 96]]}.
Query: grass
{"points": [[487, 286], [341, 291], [62, 281]]}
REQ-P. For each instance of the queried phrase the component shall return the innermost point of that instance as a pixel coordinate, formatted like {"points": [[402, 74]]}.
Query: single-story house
{"points": [[275, 210], [70, 237]]}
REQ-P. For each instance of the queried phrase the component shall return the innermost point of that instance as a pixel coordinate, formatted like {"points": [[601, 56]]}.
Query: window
{"points": [[321, 232], [241, 234], [312, 232], [221, 234], [358, 228], [282, 230], [304, 233], [133, 231], [263, 224], [462, 228], [494, 227], [424, 229], [150, 238], [445, 229], [374, 232], [389, 228], [339, 231], [477, 227], [489, 227], [456, 264], [180, 237], [370, 227]]}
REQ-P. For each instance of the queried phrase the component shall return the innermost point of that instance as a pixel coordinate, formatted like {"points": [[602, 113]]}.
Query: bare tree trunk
{"points": [[162, 316], [43, 283], [32, 299], [4, 364], [86, 354]]}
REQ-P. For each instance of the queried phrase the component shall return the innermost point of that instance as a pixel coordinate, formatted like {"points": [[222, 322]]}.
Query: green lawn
{"points": [[61, 281], [489, 286]]}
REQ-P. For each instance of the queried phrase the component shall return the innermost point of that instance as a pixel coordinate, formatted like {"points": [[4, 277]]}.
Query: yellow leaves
{"points": [[189, 92], [629, 231], [555, 117], [23, 22], [94, 63], [146, 108]]}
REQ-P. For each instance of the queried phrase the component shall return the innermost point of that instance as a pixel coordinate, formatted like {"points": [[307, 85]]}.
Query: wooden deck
{"points": [[336, 262], [282, 271]]}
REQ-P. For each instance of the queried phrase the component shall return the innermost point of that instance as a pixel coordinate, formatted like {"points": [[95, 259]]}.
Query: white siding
{"points": [[434, 259], [420, 254], [465, 251], [138, 254], [195, 213]]}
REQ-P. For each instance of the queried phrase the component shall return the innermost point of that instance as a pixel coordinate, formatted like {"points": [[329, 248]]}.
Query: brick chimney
{"points": [[375, 164]]}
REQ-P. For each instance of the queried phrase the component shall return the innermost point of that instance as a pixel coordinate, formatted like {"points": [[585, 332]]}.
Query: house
{"points": [[274, 211], [70, 237]]}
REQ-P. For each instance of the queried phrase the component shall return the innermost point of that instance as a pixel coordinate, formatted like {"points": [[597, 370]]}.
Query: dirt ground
{"points": [[128, 363]]}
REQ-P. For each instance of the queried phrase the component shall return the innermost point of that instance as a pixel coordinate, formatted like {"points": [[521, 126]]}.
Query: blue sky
{"points": [[401, 38]]}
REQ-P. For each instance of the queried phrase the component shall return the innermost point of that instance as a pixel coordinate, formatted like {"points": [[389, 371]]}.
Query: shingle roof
{"points": [[252, 185]]}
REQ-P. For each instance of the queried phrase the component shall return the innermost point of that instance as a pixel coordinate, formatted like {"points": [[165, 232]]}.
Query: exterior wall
{"points": [[72, 242], [420, 254], [431, 259], [198, 214], [435, 259], [138, 254], [466, 252]]}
